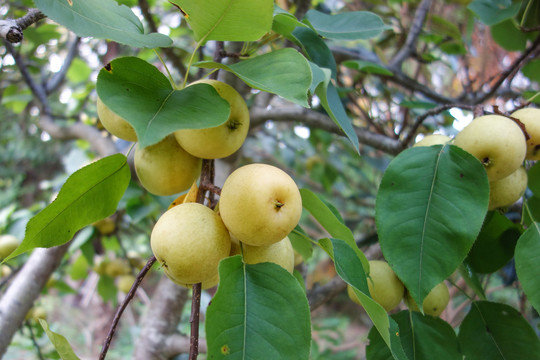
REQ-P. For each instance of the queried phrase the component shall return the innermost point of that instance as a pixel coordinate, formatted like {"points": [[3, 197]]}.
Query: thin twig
{"points": [[34, 341], [415, 30], [124, 305], [12, 30], [194, 320]]}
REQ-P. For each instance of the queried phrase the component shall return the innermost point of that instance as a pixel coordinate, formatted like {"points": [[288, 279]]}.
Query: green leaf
{"points": [[79, 71], [330, 101], [350, 268], [527, 258], [532, 70], [430, 198], [533, 175], [90, 194], [423, 338], [301, 242], [330, 222], [508, 36], [495, 244], [367, 67], [141, 94], [283, 72], [352, 25], [316, 49], [259, 312], [106, 288], [471, 278], [492, 12], [531, 211], [284, 23], [60, 343], [228, 20], [497, 332], [102, 19]]}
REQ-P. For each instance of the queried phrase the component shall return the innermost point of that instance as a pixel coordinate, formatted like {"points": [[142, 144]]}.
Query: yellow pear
{"points": [[225, 139], [260, 204], [530, 117], [508, 190], [124, 282], [8, 243], [280, 253], [497, 141], [165, 168], [433, 139], [434, 303], [189, 240], [114, 123]]}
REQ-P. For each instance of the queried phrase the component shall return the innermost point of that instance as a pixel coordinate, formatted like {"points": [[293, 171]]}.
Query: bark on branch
{"points": [[12, 29]]}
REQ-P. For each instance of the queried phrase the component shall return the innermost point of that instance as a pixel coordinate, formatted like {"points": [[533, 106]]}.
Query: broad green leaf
{"points": [[423, 338], [508, 36], [350, 268], [429, 209], [90, 194], [527, 258], [495, 244], [367, 67], [106, 289], [60, 343], [330, 222], [330, 101], [301, 242], [533, 175], [352, 25], [284, 23], [141, 94], [102, 19], [497, 332], [259, 312], [79, 71], [283, 72], [471, 278], [492, 12], [228, 20], [315, 48], [532, 70], [531, 211]]}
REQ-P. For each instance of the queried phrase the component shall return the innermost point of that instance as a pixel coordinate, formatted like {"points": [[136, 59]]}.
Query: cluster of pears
{"points": [[259, 204], [172, 165], [387, 290], [120, 269], [502, 144], [258, 207]]}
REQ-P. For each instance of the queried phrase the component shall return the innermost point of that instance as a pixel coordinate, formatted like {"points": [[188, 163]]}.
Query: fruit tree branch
{"points": [[12, 29], [319, 120], [416, 28], [124, 305]]}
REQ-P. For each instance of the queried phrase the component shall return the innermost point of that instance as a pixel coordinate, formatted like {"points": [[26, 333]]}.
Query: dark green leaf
{"points": [[527, 260], [315, 48], [471, 278], [350, 268], [59, 342], [141, 94], [367, 67], [352, 25], [423, 338], [301, 242], [492, 12], [330, 222], [532, 70], [102, 19], [533, 175], [331, 102], [531, 211], [284, 23], [508, 36], [495, 244], [259, 312], [284, 72], [89, 194], [497, 332], [232, 20], [430, 198]]}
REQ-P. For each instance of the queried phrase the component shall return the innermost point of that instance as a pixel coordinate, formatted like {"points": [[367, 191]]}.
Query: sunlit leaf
{"points": [[259, 312], [60, 343], [103, 19], [144, 97], [90, 194], [429, 209]]}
